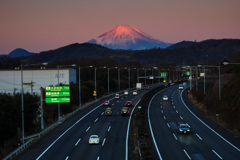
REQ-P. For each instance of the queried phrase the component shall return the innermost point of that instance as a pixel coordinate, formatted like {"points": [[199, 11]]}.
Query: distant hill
{"points": [[215, 50], [182, 44], [19, 52]]}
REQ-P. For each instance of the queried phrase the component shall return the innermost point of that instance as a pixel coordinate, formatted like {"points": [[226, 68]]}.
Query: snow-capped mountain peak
{"points": [[127, 37]]}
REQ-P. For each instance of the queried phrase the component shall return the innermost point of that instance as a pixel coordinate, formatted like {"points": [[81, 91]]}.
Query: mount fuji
{"points": [[128, 38]]}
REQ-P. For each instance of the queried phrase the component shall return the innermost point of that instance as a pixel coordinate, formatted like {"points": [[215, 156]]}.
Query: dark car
{"points": [[184, 128], [128, 103], [125, 111], [106, 103], [108, 111]]}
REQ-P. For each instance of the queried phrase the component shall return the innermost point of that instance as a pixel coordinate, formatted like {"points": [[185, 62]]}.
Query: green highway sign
{"points": [[163, 74], [57, 94], [58, 100], [58, 89], [188, 73]]}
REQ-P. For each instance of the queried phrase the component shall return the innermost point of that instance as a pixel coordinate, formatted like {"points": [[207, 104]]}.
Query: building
{"points": [[33, 80]]}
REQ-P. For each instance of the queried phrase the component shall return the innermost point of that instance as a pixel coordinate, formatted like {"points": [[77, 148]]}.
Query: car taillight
{"points": [[127, 111], [97, 140], [105, 111], [111, 112], [121, 111], [108, 102], [89, 140]]}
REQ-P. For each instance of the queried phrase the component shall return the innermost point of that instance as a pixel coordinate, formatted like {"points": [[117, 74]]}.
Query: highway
{"points": [[69, 141], [205, 142]]}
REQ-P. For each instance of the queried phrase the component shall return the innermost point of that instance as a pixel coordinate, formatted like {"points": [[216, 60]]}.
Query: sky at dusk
{"points": [[49, 24]]}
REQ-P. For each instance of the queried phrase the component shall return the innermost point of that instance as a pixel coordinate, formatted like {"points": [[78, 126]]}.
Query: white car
{"points": [[117, 96], [126, 92], [134, 92], [165, 98], [94, 139]]}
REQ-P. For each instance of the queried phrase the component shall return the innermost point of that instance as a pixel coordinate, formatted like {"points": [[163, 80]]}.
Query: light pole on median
{"points": [[22, 99], [129, 85], [58, 67]]}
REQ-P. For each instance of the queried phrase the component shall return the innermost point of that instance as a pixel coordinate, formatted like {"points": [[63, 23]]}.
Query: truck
{"points": [[138, 86]]}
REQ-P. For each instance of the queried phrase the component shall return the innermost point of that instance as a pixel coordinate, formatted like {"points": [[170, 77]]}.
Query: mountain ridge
{"points": [[128, 38]]}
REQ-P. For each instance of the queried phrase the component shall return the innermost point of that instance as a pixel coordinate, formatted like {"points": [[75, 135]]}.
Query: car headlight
{"points": [[180, 130], [188, 130]]}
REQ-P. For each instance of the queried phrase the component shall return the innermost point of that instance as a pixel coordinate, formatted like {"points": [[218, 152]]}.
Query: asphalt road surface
{"points": [[207, 141], [69, 141]]}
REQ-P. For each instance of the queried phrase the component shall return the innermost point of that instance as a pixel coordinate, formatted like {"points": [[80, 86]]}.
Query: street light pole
{"points": [[145, 77], [129, 86], [219, 82], [137, 76], [204, 80], [58, 103], [190, 78], [108, 81], [22, 105], [79, 79], [119, 79], [95, 77]]}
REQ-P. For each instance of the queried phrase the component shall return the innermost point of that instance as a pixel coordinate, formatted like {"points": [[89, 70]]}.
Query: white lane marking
{"points": [[67, 158], [173, 106], [181, 117], [164, 117], [96, 120], [78, 142], [117, 101], [207, 125], [161, 106], [113, 104], [186, 154], [67, 131], [103, 141], [199, 136], [168, 125], [109, 128], [177, 111], [172, 103], [102, 113], [98, 158], [174, 136], [150, 126], [117, 113], [129, 122], [217, 154], [88, 128], [162, 111]]}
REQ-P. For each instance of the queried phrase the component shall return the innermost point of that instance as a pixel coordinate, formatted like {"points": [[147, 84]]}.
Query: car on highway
{"points": [[135, 93], [125, 111], [108, 112], [172, 84], [117, 96], [94, 139], [180, 86], [128, 103], [106, 103], [125, 92], [184, 128], [165, 97]]}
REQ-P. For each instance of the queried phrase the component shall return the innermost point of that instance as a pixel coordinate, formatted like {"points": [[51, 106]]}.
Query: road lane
{"points": [[165, 116]]}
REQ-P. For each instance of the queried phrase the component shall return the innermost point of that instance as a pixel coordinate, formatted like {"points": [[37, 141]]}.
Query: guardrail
{"points": [[19, 149], [23, 146]]}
